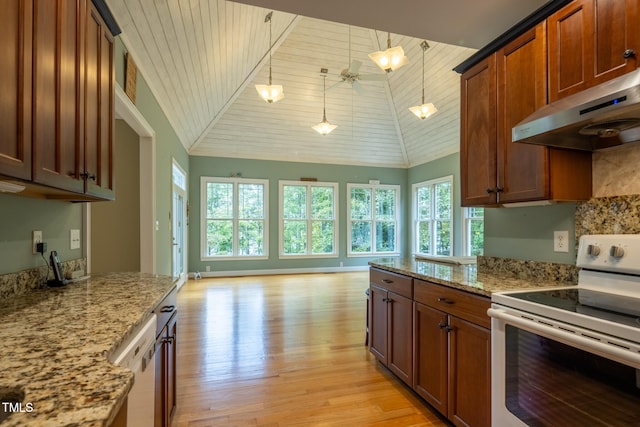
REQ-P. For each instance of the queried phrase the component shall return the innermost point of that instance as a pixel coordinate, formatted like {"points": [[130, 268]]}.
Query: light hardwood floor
{"points": [[284, 351]]}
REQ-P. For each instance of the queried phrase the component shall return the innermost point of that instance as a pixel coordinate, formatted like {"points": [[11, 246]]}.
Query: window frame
{"points": [[398, 217], [432, 221], [466, 235], [203, 218], [309, 220]]}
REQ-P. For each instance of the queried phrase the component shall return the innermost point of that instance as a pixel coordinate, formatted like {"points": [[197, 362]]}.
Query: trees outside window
{"points": [[433, 217], [473, 231], [234, 218], [308, 219], [374, 218]]}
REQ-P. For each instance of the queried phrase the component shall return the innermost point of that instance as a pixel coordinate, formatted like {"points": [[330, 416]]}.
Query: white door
{"points": [[178, 223]]}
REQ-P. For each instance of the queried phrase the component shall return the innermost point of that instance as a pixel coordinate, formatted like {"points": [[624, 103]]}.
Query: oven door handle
{"points": [[588, 344]]}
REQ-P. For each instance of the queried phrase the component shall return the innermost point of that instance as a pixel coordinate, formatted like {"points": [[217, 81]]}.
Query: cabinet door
{"points": [[523, 169], [99, 108], [587, 44], [56, 94], [469, 374], [160, 389], [430, 355], [15, 88], [378, 331], [400, 352], [478, 134], [172, 352]]}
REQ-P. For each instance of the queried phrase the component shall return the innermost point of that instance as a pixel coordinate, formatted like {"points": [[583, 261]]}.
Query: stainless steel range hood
{"points": [[600, 117]]}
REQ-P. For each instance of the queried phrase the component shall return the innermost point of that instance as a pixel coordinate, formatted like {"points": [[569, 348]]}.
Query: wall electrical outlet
{"points": [[561, 241], [74, 238], [36, 237]]}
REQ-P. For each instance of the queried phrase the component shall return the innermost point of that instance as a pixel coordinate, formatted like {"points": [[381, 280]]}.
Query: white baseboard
{"points": [[278, 271]]}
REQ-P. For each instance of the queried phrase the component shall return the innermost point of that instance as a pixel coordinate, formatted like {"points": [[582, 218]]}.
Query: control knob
{"points": [[593, 250], [616, 251]]}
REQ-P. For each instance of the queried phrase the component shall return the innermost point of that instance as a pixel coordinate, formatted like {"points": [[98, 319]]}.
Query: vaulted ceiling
{"points": [[203, 58]]}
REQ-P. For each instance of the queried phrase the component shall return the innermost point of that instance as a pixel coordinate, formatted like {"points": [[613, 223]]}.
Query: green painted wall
{"points": [[168, 147], [275, 171], [20, 215]]}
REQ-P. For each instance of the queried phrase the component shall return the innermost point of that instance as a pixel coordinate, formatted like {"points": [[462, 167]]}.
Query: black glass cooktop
{"points": [[614, 308]]}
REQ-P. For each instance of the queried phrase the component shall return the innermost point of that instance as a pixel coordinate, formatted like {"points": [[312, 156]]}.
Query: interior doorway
{"points": [[178, 222]]}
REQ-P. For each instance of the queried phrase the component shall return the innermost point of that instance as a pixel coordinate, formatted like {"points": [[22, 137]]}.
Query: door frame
{"points": [[181, 278]]}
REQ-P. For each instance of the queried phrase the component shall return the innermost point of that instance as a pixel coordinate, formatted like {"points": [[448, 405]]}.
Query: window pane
{"points": [[385, 205], [443, 237], [295, 202], [295, 237], [219, 238], [360, 203], [424, 237], [475, 212], [477, 237], [424, 203], [361, 236], [219, 200], [322, 202], [251, 201], [250, 238], [322, 237], [385, 236], [443, 200]]}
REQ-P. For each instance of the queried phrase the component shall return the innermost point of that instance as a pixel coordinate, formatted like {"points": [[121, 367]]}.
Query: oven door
{"points": [[545, 374]]}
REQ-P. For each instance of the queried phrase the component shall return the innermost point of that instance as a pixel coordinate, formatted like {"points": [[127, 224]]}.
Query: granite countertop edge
{"points": [[465, 277], [58, 342]]}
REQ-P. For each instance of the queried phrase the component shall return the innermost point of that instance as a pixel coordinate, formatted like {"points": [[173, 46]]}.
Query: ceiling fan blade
{"points": [[355, 66], [335, 85], [358, 88], [378, 77]]}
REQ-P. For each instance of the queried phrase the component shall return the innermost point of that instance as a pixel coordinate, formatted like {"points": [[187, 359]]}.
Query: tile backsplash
{"points": [[14, 284]]}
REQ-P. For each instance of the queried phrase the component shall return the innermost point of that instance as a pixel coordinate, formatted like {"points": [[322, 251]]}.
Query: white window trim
{"points": [[308, 184], [374, 187], [203, 218], [466, 234], [414, 214]]}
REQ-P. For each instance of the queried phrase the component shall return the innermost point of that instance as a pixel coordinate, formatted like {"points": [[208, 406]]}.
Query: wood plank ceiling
{"points": [[202, 58]]}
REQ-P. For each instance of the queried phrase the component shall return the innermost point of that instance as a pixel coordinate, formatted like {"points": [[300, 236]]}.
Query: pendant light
{"points": [[425, 110], [324, 127], [390, 59], [270, 93]]}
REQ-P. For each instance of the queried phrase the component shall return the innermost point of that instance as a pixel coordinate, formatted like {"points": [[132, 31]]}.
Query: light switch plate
{"points": [[75, 239]]}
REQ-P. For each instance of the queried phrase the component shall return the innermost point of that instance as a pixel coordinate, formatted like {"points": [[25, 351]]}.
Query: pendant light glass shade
{"points": [[426, 109], [324, 127], [390, 59], [270, 93]]}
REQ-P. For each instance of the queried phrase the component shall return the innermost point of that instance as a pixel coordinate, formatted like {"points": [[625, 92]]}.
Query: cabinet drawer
{"points": [[401, 285], [464, 305]]}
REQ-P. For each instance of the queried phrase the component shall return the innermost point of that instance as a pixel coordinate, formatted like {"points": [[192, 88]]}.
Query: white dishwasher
{"points": [[137, 355]]}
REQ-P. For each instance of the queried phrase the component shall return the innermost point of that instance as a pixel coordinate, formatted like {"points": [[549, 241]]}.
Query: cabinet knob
{"points": [[629, 53], [446, 301], [499, 189], [489, 190]]}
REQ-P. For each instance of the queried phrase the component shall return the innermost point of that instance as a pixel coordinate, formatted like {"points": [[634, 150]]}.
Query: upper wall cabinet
{"points": [[57, 101], [591, 41], [496, 94]]}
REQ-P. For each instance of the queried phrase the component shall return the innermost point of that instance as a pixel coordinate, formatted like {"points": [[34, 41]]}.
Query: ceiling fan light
{"points": [[424, 111], [270, 93], [324, 127]]}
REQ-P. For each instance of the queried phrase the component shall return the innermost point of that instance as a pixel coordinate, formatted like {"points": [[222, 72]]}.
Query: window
{"points": [[433, 217], [308, 219], [234, 218], [473, 231], [374, 218]]}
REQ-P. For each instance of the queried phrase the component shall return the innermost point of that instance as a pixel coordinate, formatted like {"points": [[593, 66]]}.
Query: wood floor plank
{"points": [[284, 351]]}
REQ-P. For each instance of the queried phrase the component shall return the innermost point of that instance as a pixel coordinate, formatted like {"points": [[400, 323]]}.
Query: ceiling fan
{"points": [[352, 76]]}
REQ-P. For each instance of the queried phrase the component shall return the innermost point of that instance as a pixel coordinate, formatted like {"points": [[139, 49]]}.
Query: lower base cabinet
{"points": [[166, 358], [451, 351]]}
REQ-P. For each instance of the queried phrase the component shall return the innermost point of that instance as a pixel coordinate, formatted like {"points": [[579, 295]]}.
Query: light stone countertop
{"points": [[56, 343], [466, 277]]}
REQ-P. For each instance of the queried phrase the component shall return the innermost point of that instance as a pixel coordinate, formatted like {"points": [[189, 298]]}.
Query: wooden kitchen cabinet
{"points": [[452, 353], [391, 322], [57, 102], [496, 94], [590, 42], [166, 360]]}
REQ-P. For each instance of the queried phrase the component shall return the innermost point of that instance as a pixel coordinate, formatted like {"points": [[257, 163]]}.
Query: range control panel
{"points": [[610, 252]]}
